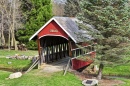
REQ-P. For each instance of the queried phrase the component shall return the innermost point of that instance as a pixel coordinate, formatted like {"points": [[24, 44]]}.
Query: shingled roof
{"points": [[70, 27]]}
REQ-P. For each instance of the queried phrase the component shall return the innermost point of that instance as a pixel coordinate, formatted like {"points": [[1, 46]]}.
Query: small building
{"points": [[59, 37]]}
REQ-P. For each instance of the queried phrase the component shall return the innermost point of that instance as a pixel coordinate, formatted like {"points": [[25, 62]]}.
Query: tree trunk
{"points": [[2, 34], [99, 76], [10, 16], [9, 38], [10, 27], [14, 14], [0, 38]]}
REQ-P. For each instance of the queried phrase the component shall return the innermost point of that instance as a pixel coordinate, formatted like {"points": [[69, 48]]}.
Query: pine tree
{"points": [[71, 8], [36, 13], [110, 19]]}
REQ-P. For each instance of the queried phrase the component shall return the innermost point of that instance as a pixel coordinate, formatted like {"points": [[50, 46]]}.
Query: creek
{"points": [[116, 77]]}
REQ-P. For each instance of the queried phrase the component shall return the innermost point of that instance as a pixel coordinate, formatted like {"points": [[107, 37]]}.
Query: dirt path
{"points": [[55, 66]]}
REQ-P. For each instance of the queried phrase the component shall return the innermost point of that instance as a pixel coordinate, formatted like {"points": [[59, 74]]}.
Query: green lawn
{"points": [[127, 82], [122, 70], [16, 65], [4, 53], [36, 78]]}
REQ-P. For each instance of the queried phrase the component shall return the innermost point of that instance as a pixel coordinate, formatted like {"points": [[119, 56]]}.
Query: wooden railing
{"points": [[83, 50]]}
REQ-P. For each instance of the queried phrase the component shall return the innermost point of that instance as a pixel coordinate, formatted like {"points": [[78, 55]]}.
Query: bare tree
{"points": [[58, 9], [11, 20], [2, 38]]}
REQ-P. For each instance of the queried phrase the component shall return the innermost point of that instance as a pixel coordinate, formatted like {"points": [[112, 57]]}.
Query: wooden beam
{"points": [[60, 51], [70, 48], [39, 50], [47, 56]]}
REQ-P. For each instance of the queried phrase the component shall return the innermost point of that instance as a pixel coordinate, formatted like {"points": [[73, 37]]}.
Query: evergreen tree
{"points": [[71, 8], [110, 18], [36, 14]]}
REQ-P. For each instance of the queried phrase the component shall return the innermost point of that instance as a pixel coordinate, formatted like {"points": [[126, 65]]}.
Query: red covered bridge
{"points": [[59, 37]]}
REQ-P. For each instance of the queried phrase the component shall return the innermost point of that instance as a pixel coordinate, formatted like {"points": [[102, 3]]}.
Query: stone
{"points": [[90, 82], [9, 62], [15, 75], [95, 68]]}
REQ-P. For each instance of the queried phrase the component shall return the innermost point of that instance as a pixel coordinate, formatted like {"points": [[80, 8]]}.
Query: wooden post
{"points": [[70, 47], [47, 50], [64, 50], [52, 52], [60, 51], [39, 50], [56, 52], [44, 51]]}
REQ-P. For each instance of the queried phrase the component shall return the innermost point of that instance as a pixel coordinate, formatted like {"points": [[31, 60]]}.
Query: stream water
{"points": [[117, 77]]}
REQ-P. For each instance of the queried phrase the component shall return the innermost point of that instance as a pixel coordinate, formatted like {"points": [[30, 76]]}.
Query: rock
{"points": [[9, 62], [8, 57], [15, 75], [90, 82], [95, 68], [34, 59]]}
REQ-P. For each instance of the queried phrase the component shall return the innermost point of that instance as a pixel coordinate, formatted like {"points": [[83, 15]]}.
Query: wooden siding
{"points": [[52, 29]]}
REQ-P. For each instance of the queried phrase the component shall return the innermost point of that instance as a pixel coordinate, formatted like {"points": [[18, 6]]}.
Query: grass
{"points": [[36, 78], [16, 65], [122, 70], [127, 82], [119, 70], [4, 53]]}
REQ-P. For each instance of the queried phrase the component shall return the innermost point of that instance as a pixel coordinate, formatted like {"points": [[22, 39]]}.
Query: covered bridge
{"points": [[58, 38]]}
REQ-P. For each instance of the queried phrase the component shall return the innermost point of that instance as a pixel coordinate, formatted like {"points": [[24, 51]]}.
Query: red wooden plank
{"points": [[52, 29], [77, 64]]}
